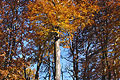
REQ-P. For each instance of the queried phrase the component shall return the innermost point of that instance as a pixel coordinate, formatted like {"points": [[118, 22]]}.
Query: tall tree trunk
{"points": [[57, 57], [49, 67], [38, 64], [73, 66], [76, 60], [62, 75], [38, 68], [25, 76], [72, 51]]}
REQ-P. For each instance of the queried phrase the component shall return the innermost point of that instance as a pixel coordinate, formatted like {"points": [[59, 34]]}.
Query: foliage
{"points": [[90, 29]]}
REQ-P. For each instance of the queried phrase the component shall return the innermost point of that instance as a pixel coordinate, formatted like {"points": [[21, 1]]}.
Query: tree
{"points": [[31, 33], [95, 44], [11, 41], [57, 17]]}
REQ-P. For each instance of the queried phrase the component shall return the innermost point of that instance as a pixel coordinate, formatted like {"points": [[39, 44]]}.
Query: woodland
{"points": [[59, 39]]}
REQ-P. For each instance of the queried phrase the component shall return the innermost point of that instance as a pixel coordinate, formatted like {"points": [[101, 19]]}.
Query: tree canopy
{"points": [[32, 33]]}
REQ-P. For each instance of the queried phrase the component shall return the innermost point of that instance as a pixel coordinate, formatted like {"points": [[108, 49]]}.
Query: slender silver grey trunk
{"points": [[57, 57]]}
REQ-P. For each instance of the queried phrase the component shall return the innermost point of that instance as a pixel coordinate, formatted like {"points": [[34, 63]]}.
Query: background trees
{"points": [[31, 33], [95, 45]]}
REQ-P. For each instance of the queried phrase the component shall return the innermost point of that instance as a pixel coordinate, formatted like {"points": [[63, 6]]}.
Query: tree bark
{"points": [[49, 67], [38, 64], [72, 51], [76, 61], [57, 57]]}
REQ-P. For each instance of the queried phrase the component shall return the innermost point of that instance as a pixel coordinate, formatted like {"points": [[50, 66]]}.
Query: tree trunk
{"points": [[72, 51], [38, 65], [73, 66], [49, 67], [57, 57], [76, 60], [73, 55]]}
